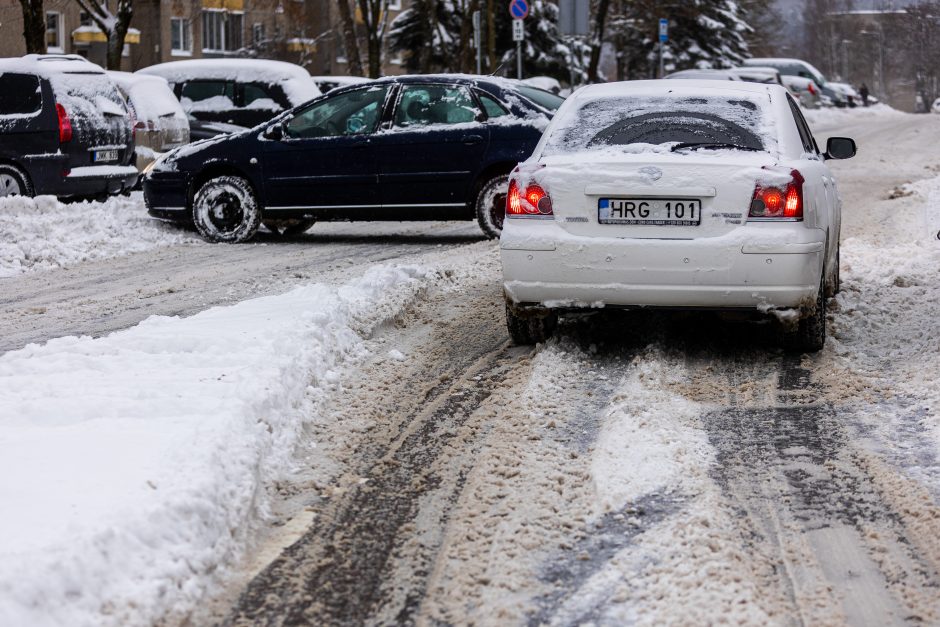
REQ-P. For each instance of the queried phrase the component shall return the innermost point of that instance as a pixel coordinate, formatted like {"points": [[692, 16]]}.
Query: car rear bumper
{"points": [[770, 268]]}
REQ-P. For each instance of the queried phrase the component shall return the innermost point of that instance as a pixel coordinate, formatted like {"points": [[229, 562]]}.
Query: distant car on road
{"points": [[804, 90], [399, 148], [798, 67], [245, 92], [685, 194], [707, 75], [159, 120], [64, 129], [757, 74], [852, 97]]}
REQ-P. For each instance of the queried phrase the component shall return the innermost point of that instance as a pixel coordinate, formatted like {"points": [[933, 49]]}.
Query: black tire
{"points": [[289, 228], [225, 210], [490, 205], [530, 328], [14, 182], [809, 335]]}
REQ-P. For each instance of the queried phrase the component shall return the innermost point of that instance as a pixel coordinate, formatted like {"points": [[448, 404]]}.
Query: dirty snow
{"points": [[143, 458], [42, 233]]}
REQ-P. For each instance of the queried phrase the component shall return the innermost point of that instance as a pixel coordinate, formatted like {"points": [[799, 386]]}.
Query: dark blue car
{"points": [[400, 148]]}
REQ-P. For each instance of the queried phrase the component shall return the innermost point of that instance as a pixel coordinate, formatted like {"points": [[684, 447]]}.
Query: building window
{"points": [[181, 37], [257, 33], [54, 30], [221, 31]]}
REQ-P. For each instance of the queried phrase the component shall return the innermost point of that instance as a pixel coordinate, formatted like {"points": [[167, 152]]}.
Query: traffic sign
{"points": [[519, 9], [518, 30], [663, 30]]}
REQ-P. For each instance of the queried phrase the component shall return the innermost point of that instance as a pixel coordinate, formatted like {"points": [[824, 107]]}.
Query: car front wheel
{"points": [[491, 205], [225, 210], [13, 181]]}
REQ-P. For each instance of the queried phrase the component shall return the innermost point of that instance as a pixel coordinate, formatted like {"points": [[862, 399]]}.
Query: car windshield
{"points": [[639, 123], [541, 97]]}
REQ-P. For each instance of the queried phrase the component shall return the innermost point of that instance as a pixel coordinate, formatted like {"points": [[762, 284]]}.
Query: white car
{"points": [[159, 120], [676, 194], [804, 90]]}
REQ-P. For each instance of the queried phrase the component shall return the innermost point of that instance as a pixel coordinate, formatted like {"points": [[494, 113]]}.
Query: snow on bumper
{"points": [[758, 266]]}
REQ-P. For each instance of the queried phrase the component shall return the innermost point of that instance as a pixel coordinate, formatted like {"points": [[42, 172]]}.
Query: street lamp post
{"points": [[879, 36]]}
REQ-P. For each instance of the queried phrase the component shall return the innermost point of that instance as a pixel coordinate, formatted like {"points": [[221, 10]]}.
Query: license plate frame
{"points": [[105, 156], [649, 211]]}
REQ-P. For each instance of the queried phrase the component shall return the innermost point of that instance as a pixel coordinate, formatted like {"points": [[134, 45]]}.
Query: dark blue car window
{"points": [[19, 94], [350, 113], [424, 105], [492, 107]]}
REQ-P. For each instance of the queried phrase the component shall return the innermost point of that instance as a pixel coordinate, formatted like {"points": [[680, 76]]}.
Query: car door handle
{"points": [[470, 140]]}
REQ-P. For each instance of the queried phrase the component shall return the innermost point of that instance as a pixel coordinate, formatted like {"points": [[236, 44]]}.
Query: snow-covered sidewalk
{"points": [[136, 465], [42, 233]]}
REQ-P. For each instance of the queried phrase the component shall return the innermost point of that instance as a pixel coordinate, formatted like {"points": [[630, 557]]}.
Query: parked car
{"points": [[546, 83], [798, 67], [545, 99], [159, 120], [64, 129], [246, 92], [330, 82], [201, 129], [757, 74], [852, 97], [804, 90], [708, 75], [399, 148], [936, 106], [692, 195]]}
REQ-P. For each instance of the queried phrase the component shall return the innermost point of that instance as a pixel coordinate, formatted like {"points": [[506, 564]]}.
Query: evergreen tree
{"points": [[546, 52]]}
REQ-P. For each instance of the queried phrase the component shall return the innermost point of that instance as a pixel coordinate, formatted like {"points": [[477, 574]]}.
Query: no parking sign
{"points": [[519, 9]]}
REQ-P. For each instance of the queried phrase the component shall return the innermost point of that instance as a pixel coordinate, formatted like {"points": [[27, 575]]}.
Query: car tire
{"points": [[531, 327], [289, 228], [225, 210], [14, 182], [490, 205], [809, 334]]}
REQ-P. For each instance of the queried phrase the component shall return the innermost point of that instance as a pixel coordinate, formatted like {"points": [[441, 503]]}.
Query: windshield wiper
{"points": [[696, 145]]}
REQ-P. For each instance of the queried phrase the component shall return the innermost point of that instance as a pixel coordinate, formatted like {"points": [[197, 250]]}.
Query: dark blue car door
{"points": [[325, 158], [432, 151]]}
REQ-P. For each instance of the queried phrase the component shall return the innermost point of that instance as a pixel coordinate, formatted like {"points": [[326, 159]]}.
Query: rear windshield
{"points": [[541, 97], [89, 95], [635, 124], [19, 94]]}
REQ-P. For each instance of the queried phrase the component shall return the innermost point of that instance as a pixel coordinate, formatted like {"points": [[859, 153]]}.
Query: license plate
{"points": [[655, 211], [105, 155]]}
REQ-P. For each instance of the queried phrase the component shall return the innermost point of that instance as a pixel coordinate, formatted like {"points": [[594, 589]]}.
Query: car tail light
{"points": [[811, 89], [534, 201], [779, 202], [65, 124]]}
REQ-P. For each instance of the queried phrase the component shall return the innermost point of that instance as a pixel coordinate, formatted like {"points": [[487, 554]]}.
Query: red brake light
{"points": [[812, 89], [784, 202], [65, 124], [534, 202]]}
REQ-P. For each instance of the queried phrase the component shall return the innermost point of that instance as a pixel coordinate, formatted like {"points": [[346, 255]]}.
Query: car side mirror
{"points": [[275, 132], [840, 148]]}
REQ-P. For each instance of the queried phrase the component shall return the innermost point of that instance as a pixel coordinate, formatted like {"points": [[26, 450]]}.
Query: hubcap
{"points": [[226, 211], [9, 186]]}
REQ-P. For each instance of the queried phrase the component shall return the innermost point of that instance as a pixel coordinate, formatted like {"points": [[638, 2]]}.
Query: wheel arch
{"points": [[27, 179]]}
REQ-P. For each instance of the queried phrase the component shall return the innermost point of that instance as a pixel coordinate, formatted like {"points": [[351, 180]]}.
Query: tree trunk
{"points": [[375, 56], [34, 26], [597, 42], [491, 36], [119, 33], [428, 9], [353, 59]]}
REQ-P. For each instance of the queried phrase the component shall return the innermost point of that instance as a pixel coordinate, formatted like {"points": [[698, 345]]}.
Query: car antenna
{"points": [[498, 68]]}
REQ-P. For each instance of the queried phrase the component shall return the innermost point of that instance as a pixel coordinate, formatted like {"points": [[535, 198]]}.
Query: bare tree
{"points": [[374, 15], [350, 40], [34, 26], [597, 38], [113, 25]]}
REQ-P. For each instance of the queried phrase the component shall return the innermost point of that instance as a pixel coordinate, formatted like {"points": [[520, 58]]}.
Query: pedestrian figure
{"points": [[863, 92]]}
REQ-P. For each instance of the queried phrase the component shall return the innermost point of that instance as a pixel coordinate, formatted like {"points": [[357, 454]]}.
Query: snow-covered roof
{"points": [[50, 64], [668, 87], [294, 79], [263, 70]]}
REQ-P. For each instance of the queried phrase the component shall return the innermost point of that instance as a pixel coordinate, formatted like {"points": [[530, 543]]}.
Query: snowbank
{"points": [[42, 233], [832, 116], [136, 465]]}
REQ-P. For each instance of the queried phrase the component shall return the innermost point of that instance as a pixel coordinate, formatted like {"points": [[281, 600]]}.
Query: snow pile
{"points": [[831, 116], [137, 464], [42, 233]]}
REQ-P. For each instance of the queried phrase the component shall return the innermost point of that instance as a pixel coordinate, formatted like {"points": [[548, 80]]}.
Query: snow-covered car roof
{"points": [[664, 88], [295, 80], [149, 95], [715, 75], [50, 64], [797, 81], [341, 79]]}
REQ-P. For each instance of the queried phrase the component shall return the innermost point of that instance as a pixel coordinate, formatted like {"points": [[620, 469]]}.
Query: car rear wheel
{"points": [[13, 181], [528, 326], [289, 228], [225, 210], [491, 205], [809, 335]]}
